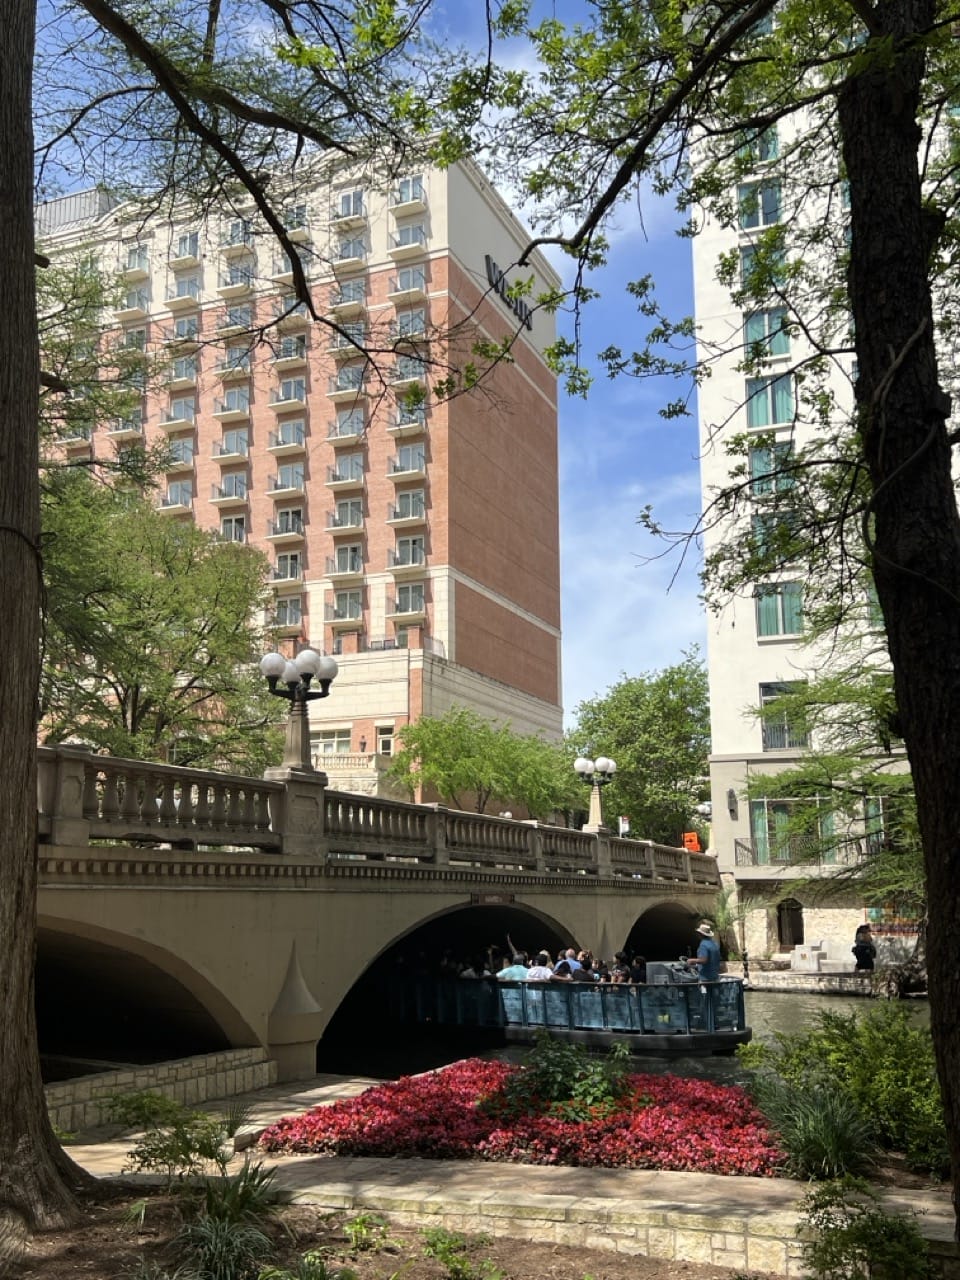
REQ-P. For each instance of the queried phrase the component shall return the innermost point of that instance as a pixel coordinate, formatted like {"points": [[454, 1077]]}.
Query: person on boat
{"points": [[541, 970], [562, 972], [864, 949], [516, 972], [570, 955], [638, 969], [708, 954]]}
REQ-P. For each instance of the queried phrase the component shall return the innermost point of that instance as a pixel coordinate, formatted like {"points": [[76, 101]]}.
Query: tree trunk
{"points": [[34, 1173], [915, 527]]}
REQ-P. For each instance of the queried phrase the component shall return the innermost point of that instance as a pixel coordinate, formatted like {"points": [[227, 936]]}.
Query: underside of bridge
{"points": [[97, 1004]]}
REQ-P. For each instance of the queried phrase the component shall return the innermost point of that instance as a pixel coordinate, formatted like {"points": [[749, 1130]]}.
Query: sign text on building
{"points": [[498, 282]]}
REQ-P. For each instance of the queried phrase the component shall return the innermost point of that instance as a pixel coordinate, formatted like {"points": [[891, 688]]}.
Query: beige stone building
{"points": [[415, 539]]}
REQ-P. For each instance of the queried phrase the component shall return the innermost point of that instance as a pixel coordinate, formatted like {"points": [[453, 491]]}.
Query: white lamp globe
{"points": [[308, 662], [272, 665], [583, 766], [326, 667]]}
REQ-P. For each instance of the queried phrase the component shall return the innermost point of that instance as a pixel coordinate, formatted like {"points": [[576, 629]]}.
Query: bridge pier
{"points": [[295, 1025]]}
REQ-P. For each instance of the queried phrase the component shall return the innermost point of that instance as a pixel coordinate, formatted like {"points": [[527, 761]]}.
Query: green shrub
{"points": [[313, 1265], [822, 1130], [175, 1140], [222, 1250], [565, 1079], [854, 1240], [367, 1232], [884, 1062], [453, 1250], [246, 1196]]}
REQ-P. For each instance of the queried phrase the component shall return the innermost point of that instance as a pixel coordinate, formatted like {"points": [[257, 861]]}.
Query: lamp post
{"points": [[596, 774], [296, 675]]}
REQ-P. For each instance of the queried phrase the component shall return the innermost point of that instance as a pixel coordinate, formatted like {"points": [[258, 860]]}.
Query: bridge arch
{"points": [[108, 996], [664, 931]]}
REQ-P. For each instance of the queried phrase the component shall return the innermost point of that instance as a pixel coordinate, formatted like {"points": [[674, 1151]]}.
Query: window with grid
{"points": [[333, 742], [235, 441], [348, 558], [347, 605], [410, 597], [233, 528], [764, 334], [410, 503], [349, 513], [289, 565], [289, 611], [289, 520], [779, 609], [759, 204], [237, 399], [769, 470], [410, 550], [290, 476], [183, 409], [760, 147]]}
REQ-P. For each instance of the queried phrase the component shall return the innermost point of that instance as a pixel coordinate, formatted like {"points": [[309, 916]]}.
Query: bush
{"points": [[247, 1196], [566, 1081], [886, 1066], [820, 1127], [176, 1141], [313, 1265], [222, 1250], [854, 1240]]}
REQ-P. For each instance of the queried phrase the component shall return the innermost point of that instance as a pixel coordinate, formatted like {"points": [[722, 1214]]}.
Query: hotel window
{"points": [[292, 347], [237, 318], [410, 457], [350, 422], [179, 494], [295, 217], [235, 442], [290, 431], [233, 528], [185, 368], [779, 727], [769, 470], [183, 409], [239, 231], [409, 189], [349, 513], [137, 298], [409, 278], [138, 258], [187, 287], [410, 235], [348, 558], [291, 389], [411, 324], [774, 535], [384, 734], [411, 503], [347, 605], [350, 291], [351, 247], [135, 339], [764, 334], [237, 358], [240, 272], [349, 204], [770, 401], [188, 245], [409, 367], [349, 378], [410, 550], [759, 204], [289, 611], [233, 485], [779, 609], [289, 520], [349, 466], [235, 400], [290, 476], [180, 449], [760, 147], [762, 266], [792, 830], [410, 598], [333, 742], [186, 327], [289, 565]]}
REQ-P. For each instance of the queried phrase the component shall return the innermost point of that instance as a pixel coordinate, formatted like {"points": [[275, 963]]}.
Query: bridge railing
{"points": [[84, 798]]}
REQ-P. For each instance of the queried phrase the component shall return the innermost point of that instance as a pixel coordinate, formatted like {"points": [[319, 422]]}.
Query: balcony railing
{"points": [[794, 850]]}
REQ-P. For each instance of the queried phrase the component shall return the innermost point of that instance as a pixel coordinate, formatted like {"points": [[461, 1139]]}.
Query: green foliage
{"points": [[468, 759], [236, 1115], [312, 1265], [221, 1250], [453, 1250], [853, 1239], [246, 1196], [152, 637], [821, 1128], [657, 728], [565, 1079], [367, 1233], [882, 1062], [174, 1141]]}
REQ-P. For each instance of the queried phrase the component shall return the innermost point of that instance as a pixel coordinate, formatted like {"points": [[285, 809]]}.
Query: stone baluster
{"points": [[130, 808], [218, 814], [202, 813], [234, 809], [110, 799], [169, 814], [185, 809]]}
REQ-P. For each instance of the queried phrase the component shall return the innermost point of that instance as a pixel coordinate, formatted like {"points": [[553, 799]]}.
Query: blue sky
{"points": [[627, 608]]}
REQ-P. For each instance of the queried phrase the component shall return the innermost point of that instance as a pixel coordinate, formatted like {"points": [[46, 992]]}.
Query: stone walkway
{"points": [[734, 1222]]}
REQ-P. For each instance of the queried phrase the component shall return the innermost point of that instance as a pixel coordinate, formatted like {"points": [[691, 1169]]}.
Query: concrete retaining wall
{"points": [[84, 1103]]}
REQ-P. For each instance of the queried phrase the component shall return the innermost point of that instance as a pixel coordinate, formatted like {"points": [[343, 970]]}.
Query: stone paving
{"points": [[734, 1222]]}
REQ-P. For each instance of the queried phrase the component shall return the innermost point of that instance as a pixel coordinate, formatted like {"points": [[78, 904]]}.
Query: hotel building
{"points": [[412, 535]]}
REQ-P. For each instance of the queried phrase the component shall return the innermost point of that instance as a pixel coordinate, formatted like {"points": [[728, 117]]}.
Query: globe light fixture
{"points": [[292, 679], [596, 774]]}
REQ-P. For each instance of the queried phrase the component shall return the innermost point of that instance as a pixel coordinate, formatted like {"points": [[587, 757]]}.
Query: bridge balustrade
{"points": [[365, 827], [479, 840]]}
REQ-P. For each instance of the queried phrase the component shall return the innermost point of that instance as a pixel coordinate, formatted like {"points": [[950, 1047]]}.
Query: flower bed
{"points": [[660, 1122]]}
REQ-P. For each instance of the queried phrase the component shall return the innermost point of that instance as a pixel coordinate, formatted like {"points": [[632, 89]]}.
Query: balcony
{"points": [[176, 503], [230, 451], [125, 429], [407, 373], [410, 243], [407, 515], [348, 301], [351, 213], [236, 320], [409, 286], [182, 379], [287, 402], [136, 306], [282, 486], [411, 610], [280, 443], [238, 284], [338, 523], [409, 198], [289, 579], [346, 431], [290, 355], [794, 850], [178, 463], [178, 420], [341, 390], [344, 569], [407, 564], [236, 244], [291, 314], [188, 300], [346, 345], [187, 339], [232, 410], [183, 261], [343, 618], [135, 271], [229, 495], [348, 478], [350, 258], [284, 531], [231, 369], [76, 439], [297, 227], [402, 469], [408, 424]]}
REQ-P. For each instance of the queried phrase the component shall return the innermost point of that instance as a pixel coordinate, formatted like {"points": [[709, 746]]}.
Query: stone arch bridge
{"points": [[234, 912]]}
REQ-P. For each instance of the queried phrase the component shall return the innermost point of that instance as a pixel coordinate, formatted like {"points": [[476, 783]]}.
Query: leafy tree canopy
{"points": [[468, 760], [657, 728]]}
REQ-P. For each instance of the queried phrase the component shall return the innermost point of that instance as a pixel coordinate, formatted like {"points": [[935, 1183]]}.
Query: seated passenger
{"points": [[541, 970], [562, 972]]}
